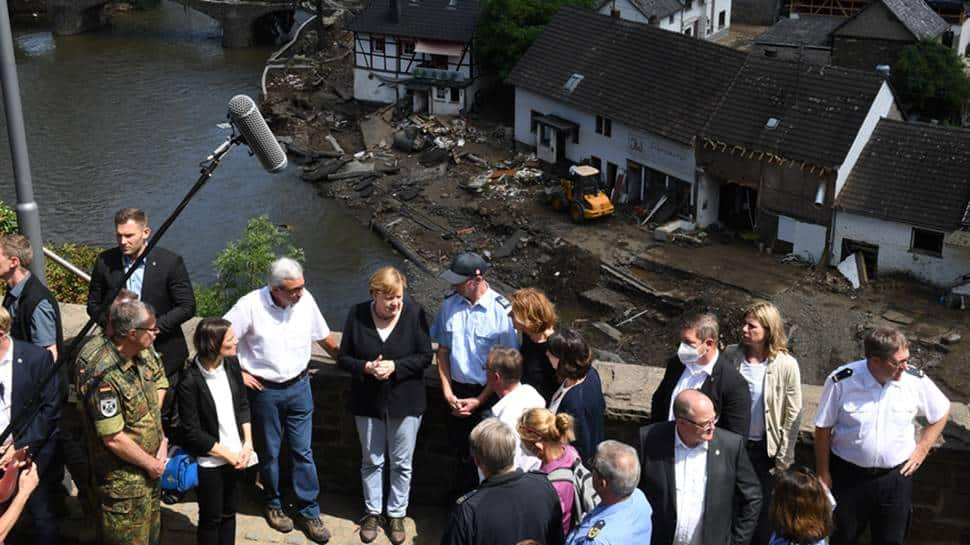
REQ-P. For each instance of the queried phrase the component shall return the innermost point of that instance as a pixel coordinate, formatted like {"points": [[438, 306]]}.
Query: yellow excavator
{"points": [[580, 194]]}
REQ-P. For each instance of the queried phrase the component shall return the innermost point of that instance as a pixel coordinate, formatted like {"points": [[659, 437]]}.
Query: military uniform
{"points": [[121, 396]]}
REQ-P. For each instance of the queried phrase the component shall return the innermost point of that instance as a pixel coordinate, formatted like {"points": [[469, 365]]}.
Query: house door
{"points": [[548, 148], [634, 181], [870, 252], [738, 207], [420, 101]]}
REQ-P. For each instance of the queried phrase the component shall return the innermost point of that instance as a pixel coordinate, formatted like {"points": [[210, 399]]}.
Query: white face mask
{"points": [[688, 355]]}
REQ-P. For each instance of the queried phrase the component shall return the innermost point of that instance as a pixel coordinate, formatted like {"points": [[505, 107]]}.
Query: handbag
{"points": [[181, 472]]}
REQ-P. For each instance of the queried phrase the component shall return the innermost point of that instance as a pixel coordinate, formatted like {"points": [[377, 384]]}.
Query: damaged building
{"points": [[705, 19], [423, 49]]}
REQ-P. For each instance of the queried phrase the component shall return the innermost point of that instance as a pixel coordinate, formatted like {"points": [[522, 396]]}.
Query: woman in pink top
{"points": [[547, 436]]}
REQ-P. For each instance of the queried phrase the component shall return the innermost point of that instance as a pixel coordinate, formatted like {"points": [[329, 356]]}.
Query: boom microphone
{"points": [[246, 117]]}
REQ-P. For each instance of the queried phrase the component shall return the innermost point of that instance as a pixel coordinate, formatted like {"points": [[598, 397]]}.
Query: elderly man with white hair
{"points": [[276, 326]]}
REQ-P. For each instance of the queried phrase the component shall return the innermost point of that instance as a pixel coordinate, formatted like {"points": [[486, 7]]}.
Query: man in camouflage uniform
{"points": [[119, 389]]}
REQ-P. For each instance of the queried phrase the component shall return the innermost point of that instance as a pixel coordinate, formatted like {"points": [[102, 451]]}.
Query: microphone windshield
{"points": [[251, 125]]}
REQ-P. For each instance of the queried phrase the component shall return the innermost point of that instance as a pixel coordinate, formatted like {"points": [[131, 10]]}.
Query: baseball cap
{"points": [[463, 267]]}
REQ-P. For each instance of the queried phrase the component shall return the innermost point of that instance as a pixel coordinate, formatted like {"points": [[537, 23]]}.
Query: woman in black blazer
{"points": [[214, 413], [580, 392], [386, 348]]}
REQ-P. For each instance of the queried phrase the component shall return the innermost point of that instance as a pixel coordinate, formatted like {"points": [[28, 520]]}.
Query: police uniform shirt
{"points": [[872, 424], [469, 331], [627, 522]]}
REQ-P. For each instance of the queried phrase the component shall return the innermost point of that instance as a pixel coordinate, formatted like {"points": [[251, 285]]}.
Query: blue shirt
{"points": [[469, 331], [627, 522], [43, 323], [137, 278], [779, 540]]}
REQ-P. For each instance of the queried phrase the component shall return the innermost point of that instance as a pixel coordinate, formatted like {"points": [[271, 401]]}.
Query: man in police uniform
{"points": [[865, 447], [122, 402], [509, 506], [472, 320], [624, 514]]}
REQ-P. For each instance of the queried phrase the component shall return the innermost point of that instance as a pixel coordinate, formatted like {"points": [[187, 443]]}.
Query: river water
{"points": [[123, 116]]}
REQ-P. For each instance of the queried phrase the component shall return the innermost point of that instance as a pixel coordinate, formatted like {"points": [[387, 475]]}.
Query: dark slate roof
{"points": [[809, 30], [912, 173], [819, 110], [918, 17], [651, 79], [424, 19], [651, 8]]}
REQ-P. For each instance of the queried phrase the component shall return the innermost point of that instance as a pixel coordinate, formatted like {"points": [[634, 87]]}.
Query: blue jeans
{"points": [[286, 409], [395, 438]]}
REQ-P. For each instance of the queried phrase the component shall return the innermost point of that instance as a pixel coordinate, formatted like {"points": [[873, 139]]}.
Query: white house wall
{"points": [[700, 13], [962, 34], [650, 150], [807, 239], [893, 240], [626, 9], [884, 105]]}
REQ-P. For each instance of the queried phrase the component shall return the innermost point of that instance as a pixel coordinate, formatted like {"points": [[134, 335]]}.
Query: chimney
{"points": [[394, 11], [883, 70]]}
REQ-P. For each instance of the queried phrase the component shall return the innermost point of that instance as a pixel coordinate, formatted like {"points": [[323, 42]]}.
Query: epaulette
{"points": [[462, 499], [500, 299], [596, 529], [450, 293], [915, 371], [845, 373]]}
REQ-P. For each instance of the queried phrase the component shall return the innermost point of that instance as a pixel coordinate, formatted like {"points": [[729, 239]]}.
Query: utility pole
{"points": [[28, 215]]}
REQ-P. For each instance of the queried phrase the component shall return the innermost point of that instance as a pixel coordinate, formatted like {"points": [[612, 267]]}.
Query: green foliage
{"points": [[242, 266], [66, 287], [8, 219], [508, 27], [929, 77]]}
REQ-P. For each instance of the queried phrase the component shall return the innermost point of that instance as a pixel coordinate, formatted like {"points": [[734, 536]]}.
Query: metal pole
{"points": [[28, 215]]}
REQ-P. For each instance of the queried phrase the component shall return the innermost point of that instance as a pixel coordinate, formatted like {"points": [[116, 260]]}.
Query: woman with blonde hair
{"points": [[386, 348], [535, 316], [547, 436], [775, 384], [801, 511]]}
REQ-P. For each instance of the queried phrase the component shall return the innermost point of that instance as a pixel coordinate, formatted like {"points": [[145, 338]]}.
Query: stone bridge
{"points": [[237, 17]]}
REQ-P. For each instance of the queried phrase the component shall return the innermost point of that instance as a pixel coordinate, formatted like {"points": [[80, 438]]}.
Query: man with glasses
{"points": [[277, 326], [126, 442], [865, 446], [698, 478]]}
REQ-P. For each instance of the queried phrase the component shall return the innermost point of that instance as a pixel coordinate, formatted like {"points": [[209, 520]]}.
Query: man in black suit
{"points": [[698, 478], [696, 366], [23, 367], [161, 281]]}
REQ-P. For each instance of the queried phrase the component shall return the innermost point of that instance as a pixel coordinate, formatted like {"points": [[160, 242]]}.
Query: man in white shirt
{"points": [[865, 446], [504, 373], [698, 478], [276, 326]]}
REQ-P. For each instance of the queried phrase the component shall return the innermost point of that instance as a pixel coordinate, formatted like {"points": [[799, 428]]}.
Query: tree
{"points": [[508, 27], [242, 266], [930, 77]]}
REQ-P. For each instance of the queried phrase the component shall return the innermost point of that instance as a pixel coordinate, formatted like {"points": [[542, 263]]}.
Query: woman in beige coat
{"points": [[775, 384]]}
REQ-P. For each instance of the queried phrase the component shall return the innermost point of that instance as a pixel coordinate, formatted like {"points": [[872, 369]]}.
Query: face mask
{"points": [[687, 354]]}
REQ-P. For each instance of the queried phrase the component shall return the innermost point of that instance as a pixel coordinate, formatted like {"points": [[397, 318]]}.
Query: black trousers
{"points": [[218, 494], [758, 454], [459, 429], [880, 499]]}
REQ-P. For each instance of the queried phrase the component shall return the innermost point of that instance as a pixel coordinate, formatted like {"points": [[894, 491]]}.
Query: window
{"points": [[689, 31], [596, 163], [532, 120], [377, 44], [576, 135], [604, 126], [455, 94], [544, 135], [441, 93], [407, 47], [670, 20], [688, 4], [721, 18], [439, 61], [927, 242]]}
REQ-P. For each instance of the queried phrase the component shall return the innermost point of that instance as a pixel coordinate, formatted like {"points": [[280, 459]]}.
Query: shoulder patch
{"points": [[462, 499], [501, 300], [107, 402], [843, 374], [915, 371], [596, 529]]}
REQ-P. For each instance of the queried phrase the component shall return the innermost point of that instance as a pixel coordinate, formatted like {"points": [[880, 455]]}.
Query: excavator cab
{"points": [[581, 195]]}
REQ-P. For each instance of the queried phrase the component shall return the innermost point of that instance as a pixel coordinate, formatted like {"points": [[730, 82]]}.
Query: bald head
{"points": [[689, 402], [695, 417]]}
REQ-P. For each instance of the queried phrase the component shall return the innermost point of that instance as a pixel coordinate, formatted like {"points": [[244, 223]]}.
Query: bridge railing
{"points": [[67, 265]]}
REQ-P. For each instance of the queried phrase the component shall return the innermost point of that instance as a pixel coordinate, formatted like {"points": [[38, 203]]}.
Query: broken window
{"points": [[455, 94], [721, 19], [377, 44], [927, 242], [604, 126]]}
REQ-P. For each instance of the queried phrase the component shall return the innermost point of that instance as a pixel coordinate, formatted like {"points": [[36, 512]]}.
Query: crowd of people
{"points": [[526, 415]]}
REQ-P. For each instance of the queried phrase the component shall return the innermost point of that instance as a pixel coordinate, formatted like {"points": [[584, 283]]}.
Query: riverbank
{"points": [[467, 190]]}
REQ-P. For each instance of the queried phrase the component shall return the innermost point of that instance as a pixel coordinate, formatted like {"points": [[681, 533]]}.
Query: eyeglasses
{"points": [[897, 364], [703, 426], [154, 330]]}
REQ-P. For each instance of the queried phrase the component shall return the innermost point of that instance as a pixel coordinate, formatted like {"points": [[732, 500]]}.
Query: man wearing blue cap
{"points": [[471, 321]]}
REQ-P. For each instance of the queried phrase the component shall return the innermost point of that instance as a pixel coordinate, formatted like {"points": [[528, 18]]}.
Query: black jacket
{"points": [[505, 510], [33, 293], [166, 287], [732, 498], [586, 405], [30, 365], [197, 409], [403, 394], [726, 388]]}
